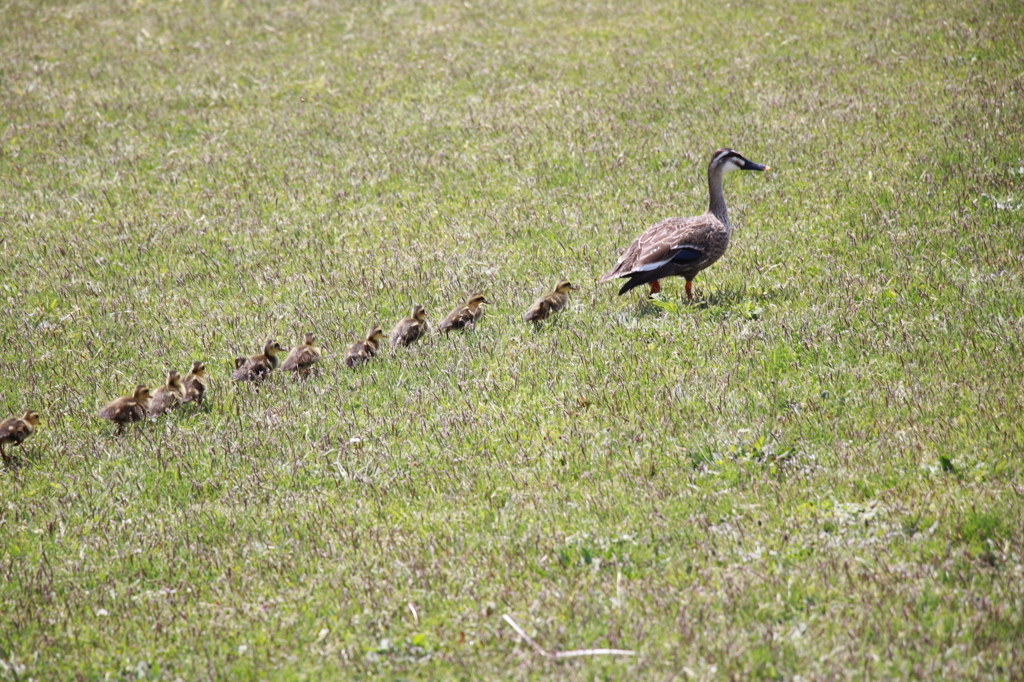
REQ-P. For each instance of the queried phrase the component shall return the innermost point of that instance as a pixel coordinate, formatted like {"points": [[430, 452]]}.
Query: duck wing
{"points": [[112, 409], [540, 309], [406, 332], [124, 409], [13, 430], [301, 358], [678, 238], [256, 368], [664, 263], [457, 319], [358, 353], [195, 387], [163, 401]]}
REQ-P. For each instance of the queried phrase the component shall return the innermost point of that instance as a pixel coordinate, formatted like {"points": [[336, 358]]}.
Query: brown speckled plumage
{"points": [[302, 358], [14, 431], [411, 329], [196, 383], [364, 349], [167, 397], [465, 315], [550, 303], [258, 367], [127, 408]]}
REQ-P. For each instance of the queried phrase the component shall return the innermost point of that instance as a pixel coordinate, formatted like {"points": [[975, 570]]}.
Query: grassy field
{"points": [[813, 471]]}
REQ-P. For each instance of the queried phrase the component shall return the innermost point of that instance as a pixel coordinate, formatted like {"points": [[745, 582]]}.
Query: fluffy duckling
{"points": [[411, 329], [196, 382], [15, 430], [258, 367], [364, 349], [168, 396], [302, 358], [466, 315], [551, 303], [127, 408]]}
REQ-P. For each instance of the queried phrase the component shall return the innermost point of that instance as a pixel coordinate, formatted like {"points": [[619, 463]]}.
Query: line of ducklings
{"points": [[302, 358], [176, 392]]}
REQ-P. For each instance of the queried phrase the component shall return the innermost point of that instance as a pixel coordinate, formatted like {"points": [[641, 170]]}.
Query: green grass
{"points": [[815, 470]]}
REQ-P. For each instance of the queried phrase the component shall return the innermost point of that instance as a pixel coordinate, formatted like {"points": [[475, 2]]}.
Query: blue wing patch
{"points": [[685, 256]]}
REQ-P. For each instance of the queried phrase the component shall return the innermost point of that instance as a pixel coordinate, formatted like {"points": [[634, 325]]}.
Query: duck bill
{"points": [[750, 165]]}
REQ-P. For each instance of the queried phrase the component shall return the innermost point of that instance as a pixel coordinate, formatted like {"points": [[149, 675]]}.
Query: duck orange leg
{"points": [[655, 288], [689, 293]]}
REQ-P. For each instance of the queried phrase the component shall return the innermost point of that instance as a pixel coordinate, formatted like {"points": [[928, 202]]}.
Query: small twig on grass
{"points": [[525, 636], [594, 652], [565, 654]]}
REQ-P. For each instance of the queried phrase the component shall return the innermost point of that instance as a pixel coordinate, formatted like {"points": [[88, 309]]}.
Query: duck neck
{"points": [[716, 203]]}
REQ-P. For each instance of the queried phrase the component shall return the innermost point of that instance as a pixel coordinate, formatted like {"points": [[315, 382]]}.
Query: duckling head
{"points": [[141, 393], [376, 335], [32, 417], [419, 313], [476, 300], [565, 286], [198, 368], [272, 348], [239, 361], [173, 379], [309, 339]]}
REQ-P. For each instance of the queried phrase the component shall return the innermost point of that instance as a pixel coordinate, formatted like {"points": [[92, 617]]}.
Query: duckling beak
{"points": [[750, 165]]}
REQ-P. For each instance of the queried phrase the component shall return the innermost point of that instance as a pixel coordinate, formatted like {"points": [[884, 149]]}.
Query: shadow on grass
{"points": [[742, 300], [648, 307], [738, 296]]}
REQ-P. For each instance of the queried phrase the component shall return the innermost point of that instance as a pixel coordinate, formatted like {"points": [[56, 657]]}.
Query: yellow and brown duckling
{"points": [[411, 329], [551, 303], [364, 349], [167, 397], [302, 358], [196, 382], [128, 408], [14, 431], [466, 315], [258, 367]]}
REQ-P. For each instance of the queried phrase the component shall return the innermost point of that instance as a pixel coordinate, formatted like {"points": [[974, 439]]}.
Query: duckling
{"points": [[411, 329], [258, 367], [682, 247], [302, 358], [364, 349], [167, 397], [551, 303], [196, 382], [239, 361], [15, 430], [466, 315], [127, 408]]}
